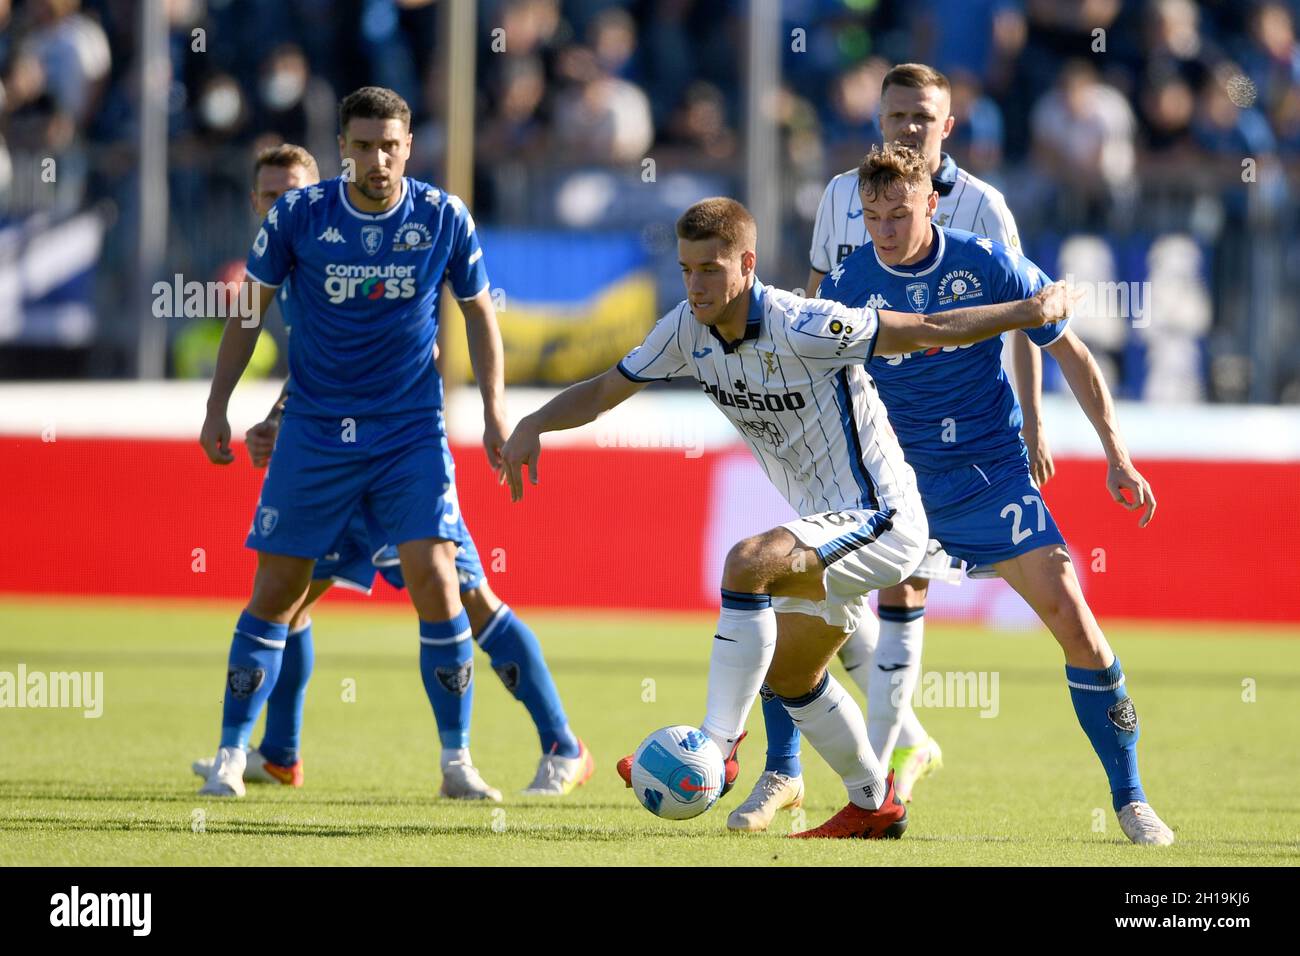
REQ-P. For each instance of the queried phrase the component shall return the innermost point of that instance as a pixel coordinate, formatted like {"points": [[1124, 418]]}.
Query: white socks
{"points": [[832, 722], [892, 679], [742, 650], [857, 651]]}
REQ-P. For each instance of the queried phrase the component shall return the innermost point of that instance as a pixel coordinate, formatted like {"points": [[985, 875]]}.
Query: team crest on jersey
{"points": [[769, 360], [958, 287], [372, 237], [918, 295], [412, 237], [267, 519]]}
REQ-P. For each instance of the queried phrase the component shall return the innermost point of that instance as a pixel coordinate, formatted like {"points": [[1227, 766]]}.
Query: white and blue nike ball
{"points": [[677, 773]]}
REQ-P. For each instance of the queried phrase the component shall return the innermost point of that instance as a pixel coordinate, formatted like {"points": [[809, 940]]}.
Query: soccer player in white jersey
{"points": [[788, 373], [915, 110]]}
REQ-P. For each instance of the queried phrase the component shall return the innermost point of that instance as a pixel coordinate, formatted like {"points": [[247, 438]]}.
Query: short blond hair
{"points": [[916, 76], [719, 218], [893, 166], [286, 156]]}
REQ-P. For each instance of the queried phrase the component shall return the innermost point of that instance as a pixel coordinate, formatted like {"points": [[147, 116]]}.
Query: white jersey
{"points": [[965, 202], [796, 390]]}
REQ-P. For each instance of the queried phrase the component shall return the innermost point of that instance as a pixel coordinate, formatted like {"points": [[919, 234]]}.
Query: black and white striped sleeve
{"points": [[659, 357]]}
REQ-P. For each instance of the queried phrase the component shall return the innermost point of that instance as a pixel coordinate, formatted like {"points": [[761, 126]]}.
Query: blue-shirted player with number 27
{"points": [[958, 424]]}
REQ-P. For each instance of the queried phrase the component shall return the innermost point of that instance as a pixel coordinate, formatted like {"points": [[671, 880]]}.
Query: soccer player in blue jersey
{"points": [[361, 454], [958, 423], [353, 561]]}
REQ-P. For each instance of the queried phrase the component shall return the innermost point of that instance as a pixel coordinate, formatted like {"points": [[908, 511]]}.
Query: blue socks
{"points": [[782, 736], [1106, 714], [283, 736], [447, 667], [516, 656], [252, 670]]}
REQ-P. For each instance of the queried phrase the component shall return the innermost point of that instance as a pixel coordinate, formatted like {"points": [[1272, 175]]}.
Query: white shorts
{"points": [[863, 551], [939, 565]]}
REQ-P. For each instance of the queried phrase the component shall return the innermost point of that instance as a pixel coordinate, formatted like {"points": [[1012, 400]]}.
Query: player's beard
{"points": [[376, 193]]}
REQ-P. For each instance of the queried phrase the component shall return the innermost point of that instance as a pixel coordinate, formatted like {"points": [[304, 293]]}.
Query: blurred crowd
{"points": [[1094, 117]]}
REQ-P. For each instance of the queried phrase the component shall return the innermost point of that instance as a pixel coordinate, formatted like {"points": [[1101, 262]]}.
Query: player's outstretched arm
{"points": [[487, 358], [236, 349], [902, 332], [1084, 378], [575, 406]]}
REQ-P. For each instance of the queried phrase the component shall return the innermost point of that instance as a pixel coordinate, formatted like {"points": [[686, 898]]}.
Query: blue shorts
{"points": [[397, 470], [362, 551], [987, 513]]}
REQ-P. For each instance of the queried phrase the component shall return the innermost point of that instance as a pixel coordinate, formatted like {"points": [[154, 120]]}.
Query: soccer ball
{"points": [[677, 773]]}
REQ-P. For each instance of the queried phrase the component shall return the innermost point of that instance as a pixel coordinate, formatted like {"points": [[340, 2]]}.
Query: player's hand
{"points": [[215, 438], [494, 437], [1041, 466], [523, 447], [1054, 302], [1121, 476], [261, 440]]}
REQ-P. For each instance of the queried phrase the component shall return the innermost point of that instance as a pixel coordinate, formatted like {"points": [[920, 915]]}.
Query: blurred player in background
{"points": [[956, 420], [789, 373], [347, 362], [915, 110]]}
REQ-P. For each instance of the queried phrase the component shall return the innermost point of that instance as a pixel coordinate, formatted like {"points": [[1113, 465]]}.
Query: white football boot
{"points": [[773, 792], [559, 776], [461, 781], [254, 769], [227, 776], [1141, 825]]}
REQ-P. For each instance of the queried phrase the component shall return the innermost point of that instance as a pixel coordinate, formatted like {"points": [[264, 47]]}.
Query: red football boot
{"points": [[731, 767], [855, 823]]}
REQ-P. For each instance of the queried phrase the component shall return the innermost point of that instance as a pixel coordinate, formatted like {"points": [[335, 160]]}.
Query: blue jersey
{"points": [[363, 303], [950, 406]]}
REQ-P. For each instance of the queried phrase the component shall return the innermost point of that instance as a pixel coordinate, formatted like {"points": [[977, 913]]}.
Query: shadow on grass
{"points": [[61, 791], [308, 830]]}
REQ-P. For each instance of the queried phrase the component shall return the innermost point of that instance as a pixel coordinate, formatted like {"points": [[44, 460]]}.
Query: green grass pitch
{"points": [[1218, 709]]}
